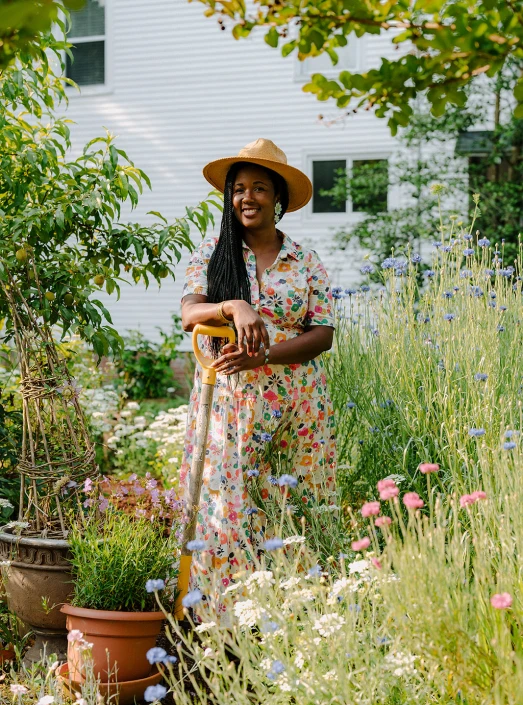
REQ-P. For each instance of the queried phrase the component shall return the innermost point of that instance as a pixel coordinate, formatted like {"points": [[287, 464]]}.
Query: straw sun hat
{"points": [[265, 153]]}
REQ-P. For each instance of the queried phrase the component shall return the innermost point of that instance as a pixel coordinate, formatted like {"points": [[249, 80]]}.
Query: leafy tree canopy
{"points": [[447, 44], [23, 21]]}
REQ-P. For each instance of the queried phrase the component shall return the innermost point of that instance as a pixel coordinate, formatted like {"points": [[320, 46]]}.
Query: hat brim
{"points": [[298, 183]]}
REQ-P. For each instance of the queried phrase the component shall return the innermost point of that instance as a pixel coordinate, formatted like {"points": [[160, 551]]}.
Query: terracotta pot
{"points": [[7, 654], [120, 641], [126, 693], [39, 568]]}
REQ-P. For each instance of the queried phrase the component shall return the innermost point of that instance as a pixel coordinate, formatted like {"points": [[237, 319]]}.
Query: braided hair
{"points": [[226, 273]]}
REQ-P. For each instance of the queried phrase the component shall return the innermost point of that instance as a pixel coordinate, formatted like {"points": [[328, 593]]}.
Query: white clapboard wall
{"points": [[180, 92]]}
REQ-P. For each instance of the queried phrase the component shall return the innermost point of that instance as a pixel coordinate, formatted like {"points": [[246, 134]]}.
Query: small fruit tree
{"points": [[61, 216]]}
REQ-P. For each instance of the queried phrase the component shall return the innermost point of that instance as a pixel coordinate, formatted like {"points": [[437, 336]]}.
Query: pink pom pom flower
{"points": [[412, 500], [426, 468], [383, 521], [501, 601], [467, 499], [370, 509], [361, 545]]}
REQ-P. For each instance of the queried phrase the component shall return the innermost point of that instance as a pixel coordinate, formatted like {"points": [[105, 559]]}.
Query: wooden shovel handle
{"points": [[209, 373]]}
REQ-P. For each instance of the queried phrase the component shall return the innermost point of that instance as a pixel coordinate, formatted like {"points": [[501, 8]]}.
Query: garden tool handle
{"points": [[209, 373]]}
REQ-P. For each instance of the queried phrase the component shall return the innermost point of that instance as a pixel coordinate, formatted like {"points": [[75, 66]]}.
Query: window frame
{"points": [[349, 216], [303, 76], [107, 86]]}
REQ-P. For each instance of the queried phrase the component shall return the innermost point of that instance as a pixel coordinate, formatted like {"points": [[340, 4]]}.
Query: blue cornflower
{"points": [[273, 544], [390, 263], [476, 291], [500, 329], [365, 288], [484, 242], [426, 319], [505, 272], [354, 608], [272, 480], [437, 245], [381, 640], [251, 510], [492, 304], [276, 413], [154, 585], [467, 237], [465, 273], [196, 545], [277, 668], [337, 292], [509, 433], [488, 272], [269, 627], [415, 259], [156, 655], [375, 331], [480, 376], [456, 288], [170, 659], [192, 598], [448, 294], [266, 437], [314, 571], [468, 251], [509, 445], [492, 294], [502, 308], [477, 432], [350, 292], [154, 692], [367, 269], [449, 316], [287, 481], [253, 473], [447, 248], [429, 273]]}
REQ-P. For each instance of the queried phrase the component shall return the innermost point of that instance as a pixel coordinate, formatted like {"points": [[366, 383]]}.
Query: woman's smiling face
{"points": [[253, 197]]}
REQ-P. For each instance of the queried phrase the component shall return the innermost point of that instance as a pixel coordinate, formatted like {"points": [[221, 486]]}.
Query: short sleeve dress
{"points": [[274, 411]]}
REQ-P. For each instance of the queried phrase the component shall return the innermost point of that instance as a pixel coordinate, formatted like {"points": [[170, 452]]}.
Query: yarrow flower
{"points": [[426, 468], [18, 689], [154, 692], [328, 624], [273, 544], [192, 598], [154, 585], [370, 509], [501, 601], [46, 700], [361, 544], [412, 500]]}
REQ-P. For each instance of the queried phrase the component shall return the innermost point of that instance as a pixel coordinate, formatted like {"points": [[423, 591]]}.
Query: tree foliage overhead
{"points": [[447, 44], [23, 21]]}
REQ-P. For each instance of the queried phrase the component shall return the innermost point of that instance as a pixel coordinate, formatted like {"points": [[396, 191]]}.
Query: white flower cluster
{"points": [[101, 407], [401, 664]]}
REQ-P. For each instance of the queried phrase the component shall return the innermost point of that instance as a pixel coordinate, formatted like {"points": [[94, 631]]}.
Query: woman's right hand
{"points": [[250, 328]]}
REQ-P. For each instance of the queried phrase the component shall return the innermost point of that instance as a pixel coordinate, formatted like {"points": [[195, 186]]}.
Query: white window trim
{"points": [[99, 88], [349, 216], [300, 76]]}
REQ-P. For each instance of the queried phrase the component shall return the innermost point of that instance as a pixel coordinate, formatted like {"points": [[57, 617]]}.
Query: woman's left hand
{"points": [[233, 361]]}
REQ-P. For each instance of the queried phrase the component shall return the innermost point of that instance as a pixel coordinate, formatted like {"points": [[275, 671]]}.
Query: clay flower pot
{"points": [[120, 642], [39, 568]]}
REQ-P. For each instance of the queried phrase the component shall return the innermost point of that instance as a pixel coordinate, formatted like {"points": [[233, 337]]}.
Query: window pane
{"points": [[323, 177], [88, 67], [369, 185], [347, 59], [90, 21]]}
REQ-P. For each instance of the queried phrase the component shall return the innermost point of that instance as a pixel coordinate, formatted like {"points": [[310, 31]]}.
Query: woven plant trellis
{"points": [[57, 455]]}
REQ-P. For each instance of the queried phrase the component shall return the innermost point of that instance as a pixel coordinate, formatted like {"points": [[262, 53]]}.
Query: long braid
{"points": [[227, 273]]}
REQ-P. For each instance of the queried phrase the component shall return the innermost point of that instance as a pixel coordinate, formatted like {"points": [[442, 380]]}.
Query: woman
{"points": [[271, 385]]}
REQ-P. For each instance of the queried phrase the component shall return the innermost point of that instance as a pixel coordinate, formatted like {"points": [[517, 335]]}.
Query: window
{"points": [[347, 60], [87, 35], [365, 191]]}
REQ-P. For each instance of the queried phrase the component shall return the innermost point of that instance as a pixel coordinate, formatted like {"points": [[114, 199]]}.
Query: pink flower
{"points": [[412, 500], [383, 521], [501, 601], [74, 636], [467, 499], [88, 485], [361, 544], [427, 468], [370, 509], [389, 492], [375, 562], [387, 482]]}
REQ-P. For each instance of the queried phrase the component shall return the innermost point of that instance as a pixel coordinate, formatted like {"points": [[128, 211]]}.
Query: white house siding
{"points": [[181, 92]]}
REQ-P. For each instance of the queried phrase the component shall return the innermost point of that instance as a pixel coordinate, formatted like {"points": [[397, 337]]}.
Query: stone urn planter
{"points": [[120, 642], [39, 571]]}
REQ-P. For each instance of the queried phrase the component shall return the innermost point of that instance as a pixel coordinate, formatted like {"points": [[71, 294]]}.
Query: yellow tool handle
{"points": [[209, 373]]}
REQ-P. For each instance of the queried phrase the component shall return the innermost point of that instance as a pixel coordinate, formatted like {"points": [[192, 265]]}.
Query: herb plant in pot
{"points": [[113, 557]]}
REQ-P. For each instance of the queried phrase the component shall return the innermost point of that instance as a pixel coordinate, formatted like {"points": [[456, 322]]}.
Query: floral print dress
{"points": [[283, 410]]}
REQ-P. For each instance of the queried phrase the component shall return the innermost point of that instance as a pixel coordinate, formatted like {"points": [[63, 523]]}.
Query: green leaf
{"points": [[272, 37]]}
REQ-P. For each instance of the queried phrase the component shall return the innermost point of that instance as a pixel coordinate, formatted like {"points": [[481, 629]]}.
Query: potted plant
{"points": [[114, 558]]}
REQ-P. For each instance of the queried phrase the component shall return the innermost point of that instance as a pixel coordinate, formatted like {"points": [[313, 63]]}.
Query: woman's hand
{"points": [[235, 360], [249, 327]]}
